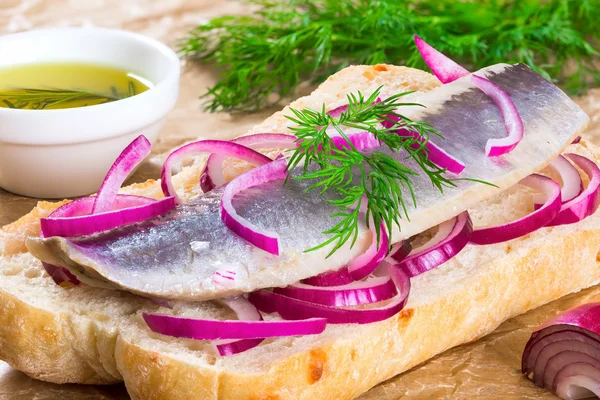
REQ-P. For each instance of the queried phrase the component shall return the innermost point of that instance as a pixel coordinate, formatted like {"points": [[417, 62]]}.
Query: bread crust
{"points": [[346, 368], [40, 341]]}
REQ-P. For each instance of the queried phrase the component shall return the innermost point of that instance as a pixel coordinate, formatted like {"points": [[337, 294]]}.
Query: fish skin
{"points": [[155, 258]]}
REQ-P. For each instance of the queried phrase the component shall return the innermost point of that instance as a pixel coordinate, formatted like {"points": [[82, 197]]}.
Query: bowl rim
{"points": [[172, 74]]}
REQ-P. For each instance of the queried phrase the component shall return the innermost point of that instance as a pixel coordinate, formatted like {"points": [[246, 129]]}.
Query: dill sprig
{"points": [[377, 178], [286, 42], [39, 99]]}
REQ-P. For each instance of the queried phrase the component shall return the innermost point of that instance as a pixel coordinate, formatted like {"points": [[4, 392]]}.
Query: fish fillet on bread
{"points": [[92, 335]]}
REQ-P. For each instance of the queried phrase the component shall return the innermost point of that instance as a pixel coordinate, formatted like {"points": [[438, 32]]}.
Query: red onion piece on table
{"points": [[356, 293], [230, 149], [572, 186], [294, 309], [452, 236], [261, 238], [510, 114], [89, 224], [529, 223], [130, 158], [212, 176], [576, 140], [442, 67], [588, 201], [563, 355]]}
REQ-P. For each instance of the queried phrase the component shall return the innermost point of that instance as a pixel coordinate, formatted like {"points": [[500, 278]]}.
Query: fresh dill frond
{"points": [[40, 99], [269, 53], [377, 178]]}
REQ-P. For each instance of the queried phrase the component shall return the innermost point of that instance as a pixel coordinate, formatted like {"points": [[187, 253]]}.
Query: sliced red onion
{"points": [[79, 207], [360, 140], [245, 311], [130, 158], [510, 114], [364, 265], [208, 329], [563, 355], [333, 278], [212, 176], [576, 140], [227, 148], [294, 309], [572, 186], [261, 238], [451, 237], [442, 67], [373, 290], [529, 223], [399, 252], [588, 201], [435, 153], [94, 223]]}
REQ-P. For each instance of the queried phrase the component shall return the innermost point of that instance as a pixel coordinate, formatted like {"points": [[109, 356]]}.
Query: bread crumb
{"points": [[369, 75]]}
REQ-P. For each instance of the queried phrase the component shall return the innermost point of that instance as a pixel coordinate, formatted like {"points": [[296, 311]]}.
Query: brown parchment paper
{"points": [[487, 368]]}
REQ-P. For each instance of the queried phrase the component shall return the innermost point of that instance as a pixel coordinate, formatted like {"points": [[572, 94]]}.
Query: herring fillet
{"points": [[176, 256]]}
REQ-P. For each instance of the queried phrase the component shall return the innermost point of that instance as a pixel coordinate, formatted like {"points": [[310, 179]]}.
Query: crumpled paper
{"points": [[487, 368]]}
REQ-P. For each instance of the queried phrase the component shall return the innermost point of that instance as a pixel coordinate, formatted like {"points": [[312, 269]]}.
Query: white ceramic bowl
{"points": [[67, 152]]}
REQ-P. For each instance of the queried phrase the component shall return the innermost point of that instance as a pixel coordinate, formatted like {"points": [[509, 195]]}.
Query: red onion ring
{"points": [[130, 158], [230, 149], [75, 208], [442, 67], [588, 201], [399, 252], [373, 290], [364, 265], [333, 278], [452, 236], [572, 186], [208, 329], [563, 355], [261, 238], [436, 154], [212, 175], [294, 309], [529, 223], [510, 114], [70, 226], [245, 312]]}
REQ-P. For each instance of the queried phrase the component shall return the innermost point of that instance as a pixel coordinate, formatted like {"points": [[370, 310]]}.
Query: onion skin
{"points": [[529, 223], [563, 355], [442, 67], [428, 258]]}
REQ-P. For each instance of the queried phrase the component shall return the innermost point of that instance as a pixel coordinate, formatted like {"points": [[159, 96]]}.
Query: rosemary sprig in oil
{"points": [[40, 99]]}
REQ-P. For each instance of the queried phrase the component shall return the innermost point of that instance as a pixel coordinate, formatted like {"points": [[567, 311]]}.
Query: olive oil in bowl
{"points": [[55, 86]]}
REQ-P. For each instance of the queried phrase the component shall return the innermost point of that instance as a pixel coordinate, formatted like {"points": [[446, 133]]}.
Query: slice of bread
{"points": [[87, 335]]}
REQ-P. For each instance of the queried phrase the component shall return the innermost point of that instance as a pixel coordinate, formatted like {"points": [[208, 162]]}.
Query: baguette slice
{"points": [[87, 335]]}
